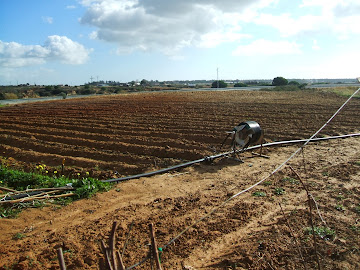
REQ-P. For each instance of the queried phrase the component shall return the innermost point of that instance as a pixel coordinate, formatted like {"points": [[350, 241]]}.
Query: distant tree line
{"points": [[111, 87]]}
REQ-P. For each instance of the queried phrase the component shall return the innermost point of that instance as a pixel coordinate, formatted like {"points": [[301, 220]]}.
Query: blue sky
{"points": [[69, 41]]}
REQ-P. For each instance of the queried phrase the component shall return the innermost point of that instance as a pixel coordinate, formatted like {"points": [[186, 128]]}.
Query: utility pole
{"points": [[91, 79], [217, 77]]}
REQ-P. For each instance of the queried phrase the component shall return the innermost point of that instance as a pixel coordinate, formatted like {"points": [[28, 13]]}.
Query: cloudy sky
{"points": [[70, 41]]}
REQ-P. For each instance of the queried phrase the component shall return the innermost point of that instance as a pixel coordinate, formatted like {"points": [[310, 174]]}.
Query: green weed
{"points": [[279, 191], [84, 187], [267, 183], [18, 236], [9, 212], [355, 228], [291, 180], [323, 232], [339, 207], [259, 194]]}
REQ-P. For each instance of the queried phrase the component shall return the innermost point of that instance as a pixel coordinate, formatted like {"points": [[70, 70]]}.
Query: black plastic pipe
{"points": [[210, 158]]}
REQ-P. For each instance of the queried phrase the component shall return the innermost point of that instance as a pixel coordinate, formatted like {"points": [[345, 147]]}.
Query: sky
{"points": [[47, 42]]}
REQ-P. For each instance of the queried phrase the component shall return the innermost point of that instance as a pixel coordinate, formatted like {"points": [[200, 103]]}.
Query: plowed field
{"points": [[129, 134], [265, 228]]}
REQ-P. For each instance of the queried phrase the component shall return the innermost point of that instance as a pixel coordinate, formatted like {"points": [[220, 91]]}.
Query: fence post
{"points": [[154, 247]]}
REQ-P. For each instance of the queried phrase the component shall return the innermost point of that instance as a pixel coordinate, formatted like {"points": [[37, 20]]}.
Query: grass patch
{"points": [[344, 91], [14, 179], [19, 180]]}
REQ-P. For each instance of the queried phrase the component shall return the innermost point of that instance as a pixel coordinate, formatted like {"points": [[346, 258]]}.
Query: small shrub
{"points": [[286, 88], [10, 96], [48, 88], [240, 85], [87, 91], [56, 92]]}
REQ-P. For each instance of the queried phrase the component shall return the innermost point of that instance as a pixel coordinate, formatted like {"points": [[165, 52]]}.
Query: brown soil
{"points": [[128, 134]]}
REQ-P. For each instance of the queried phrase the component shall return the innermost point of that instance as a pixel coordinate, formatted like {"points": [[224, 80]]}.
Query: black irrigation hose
{"points": [[22, 195], [210, 158]]}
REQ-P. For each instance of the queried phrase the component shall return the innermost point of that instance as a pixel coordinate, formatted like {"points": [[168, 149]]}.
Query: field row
{"points": [[133, 133]]}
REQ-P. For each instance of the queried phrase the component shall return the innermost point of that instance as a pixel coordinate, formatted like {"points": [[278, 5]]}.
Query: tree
{"points": [[278, 81], [48, 88], [294, 83], [299, 85], [240, 85], [144, 82], [221, 84]]}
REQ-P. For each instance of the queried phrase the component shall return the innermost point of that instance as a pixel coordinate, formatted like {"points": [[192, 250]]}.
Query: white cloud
{"points": [[168, 26], [47, 19], [334, 17], [289, 26], [315, 45], [213, 39], [13, 54], [70, 7], [341, 65], [66, 50], [267, 47]]}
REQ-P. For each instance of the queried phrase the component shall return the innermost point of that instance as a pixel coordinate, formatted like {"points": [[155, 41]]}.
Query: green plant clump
{"points": [[18, 236], [291, 180], [279, 191], [259, 194], [324, 232], [9, 212], [339, 207], [22, 180], [18, 180]]}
